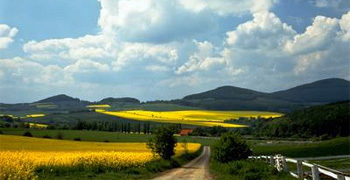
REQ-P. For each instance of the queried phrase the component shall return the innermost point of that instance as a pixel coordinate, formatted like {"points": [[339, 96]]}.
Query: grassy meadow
{"points": [[337, 146], [27, 158], [192, 117]]}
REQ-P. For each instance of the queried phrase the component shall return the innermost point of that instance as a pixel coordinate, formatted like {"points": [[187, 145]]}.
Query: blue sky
{"points": [[158, 49]]}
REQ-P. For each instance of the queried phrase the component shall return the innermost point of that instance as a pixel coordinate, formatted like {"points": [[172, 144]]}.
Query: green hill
{"points": [[324, 91]]}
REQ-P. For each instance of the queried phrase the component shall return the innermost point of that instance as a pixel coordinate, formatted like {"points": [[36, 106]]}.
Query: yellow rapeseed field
{"points": [[193, 117], [98, 106], [21, 157], [37, 125], [35, 115]]}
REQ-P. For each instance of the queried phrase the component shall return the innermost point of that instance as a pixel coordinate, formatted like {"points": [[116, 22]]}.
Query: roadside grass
{"points": [[245, 170], [338, 163], [337, 146]]}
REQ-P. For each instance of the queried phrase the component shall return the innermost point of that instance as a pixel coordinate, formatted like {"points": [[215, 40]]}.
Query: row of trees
{"points": [[115, 126]]}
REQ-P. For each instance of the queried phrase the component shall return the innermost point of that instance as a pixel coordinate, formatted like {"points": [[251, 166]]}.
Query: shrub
{"points": [[163, 142], [106, 141], [1, 132], [230, 147], [28, 134], [47, 136], [59, 135], [325, 137], [77, 139]]}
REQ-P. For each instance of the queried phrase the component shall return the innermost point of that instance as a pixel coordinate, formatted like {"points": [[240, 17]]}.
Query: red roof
{"points": [[185, 132]]}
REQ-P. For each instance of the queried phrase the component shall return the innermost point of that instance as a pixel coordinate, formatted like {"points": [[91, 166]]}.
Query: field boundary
{"points": [[280, 162]]}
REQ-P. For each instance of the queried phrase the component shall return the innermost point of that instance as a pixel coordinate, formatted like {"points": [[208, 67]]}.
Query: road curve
{"points": [[195, 169]]}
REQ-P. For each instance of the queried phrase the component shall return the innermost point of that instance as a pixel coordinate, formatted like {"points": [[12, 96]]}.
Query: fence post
{"points": [[315, 173], [284, 163], [300, 168], [340, 177], [272, 161]]}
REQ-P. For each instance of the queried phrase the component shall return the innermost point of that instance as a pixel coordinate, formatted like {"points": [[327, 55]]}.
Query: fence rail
{"points": [[280, 162]]}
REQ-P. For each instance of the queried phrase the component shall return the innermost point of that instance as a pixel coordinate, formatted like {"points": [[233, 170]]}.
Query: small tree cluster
{"points": [[231, 146], [163, 142]]}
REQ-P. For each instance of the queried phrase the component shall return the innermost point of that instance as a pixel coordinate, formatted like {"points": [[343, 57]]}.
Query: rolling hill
{"points": [[323, 91], [59, 98], [230, 97], [222, 98]]}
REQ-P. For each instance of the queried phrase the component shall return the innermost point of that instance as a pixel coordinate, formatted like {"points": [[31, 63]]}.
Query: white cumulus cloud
{"points": [[204, 59], [6, 35], [264, 32], [225, 7], [317, 37]]}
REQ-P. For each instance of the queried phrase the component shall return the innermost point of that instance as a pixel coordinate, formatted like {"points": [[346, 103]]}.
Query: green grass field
{"points": [[338, 146], [98, 136], [338, 163]]}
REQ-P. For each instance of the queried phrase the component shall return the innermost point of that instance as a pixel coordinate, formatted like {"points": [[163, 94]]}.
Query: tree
{"points": [[230, 147], [163, 142]]}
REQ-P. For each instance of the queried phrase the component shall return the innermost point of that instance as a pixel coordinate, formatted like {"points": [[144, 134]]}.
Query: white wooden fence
{"points": [[280, 162]]}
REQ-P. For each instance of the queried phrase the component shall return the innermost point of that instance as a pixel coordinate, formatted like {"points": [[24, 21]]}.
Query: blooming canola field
{"points": [[191, 117], [23, 157]]}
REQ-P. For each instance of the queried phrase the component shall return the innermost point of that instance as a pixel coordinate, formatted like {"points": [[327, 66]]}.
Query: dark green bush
{"points": [[231, 146], [77, 139], [28, 134], [1, 132], [163, 142]]}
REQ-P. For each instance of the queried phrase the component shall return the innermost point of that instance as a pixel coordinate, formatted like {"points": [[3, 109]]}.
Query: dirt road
{"points": [[196, 169]]}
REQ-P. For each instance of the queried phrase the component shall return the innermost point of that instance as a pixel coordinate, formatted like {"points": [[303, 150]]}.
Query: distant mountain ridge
{"points": [[235, 98], [225, 98], [324, 91]]}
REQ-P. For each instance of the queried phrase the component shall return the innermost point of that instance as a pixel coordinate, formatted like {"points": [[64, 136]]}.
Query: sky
{"points": [[162, 49]]}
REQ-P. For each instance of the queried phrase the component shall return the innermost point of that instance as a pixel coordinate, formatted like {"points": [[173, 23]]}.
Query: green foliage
{"points": [[230, 146], [28, 134], [209, 131], [163, 143], [327, 121]]}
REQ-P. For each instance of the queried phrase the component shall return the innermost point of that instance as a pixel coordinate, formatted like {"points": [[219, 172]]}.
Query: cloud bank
{"points": [[162, 49]]}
